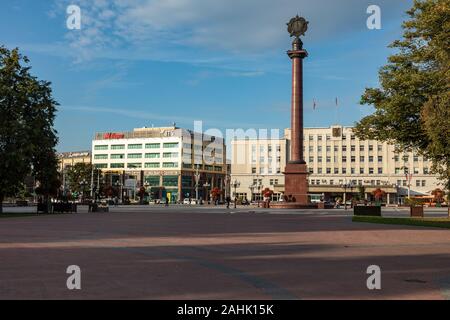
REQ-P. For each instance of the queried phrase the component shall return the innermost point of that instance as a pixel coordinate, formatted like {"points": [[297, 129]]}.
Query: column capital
{"points": [[297, 54]]}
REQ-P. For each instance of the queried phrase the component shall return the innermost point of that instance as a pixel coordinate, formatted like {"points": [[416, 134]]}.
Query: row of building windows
{"points": [[137, 146], [137, 155], [404, 183], [344, 148], [344, 171], [268, 170], [344, 159], [137, 165]]}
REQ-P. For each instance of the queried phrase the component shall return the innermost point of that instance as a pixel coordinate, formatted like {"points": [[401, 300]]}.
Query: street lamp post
{"points": [[235, 185], [119, 186], [197, 181], [83, 184], [346, 185], [206, 185], [252, 188]]}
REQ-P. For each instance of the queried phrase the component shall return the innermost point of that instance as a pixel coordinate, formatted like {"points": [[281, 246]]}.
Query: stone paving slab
{"points": [[186, 253]]}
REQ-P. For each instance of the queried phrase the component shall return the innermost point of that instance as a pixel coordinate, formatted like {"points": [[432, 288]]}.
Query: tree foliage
{"points": [[27, 136], [412, 103], [81, 172]]}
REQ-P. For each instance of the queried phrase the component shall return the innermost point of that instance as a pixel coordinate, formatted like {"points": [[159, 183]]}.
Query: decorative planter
{"points": [[416, 211], [367, 211]]}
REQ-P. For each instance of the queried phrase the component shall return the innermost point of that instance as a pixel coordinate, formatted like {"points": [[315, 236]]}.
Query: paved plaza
{"points": [[179, 252]]}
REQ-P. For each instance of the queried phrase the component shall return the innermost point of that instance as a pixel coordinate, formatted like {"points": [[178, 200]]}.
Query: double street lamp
{"points": [[235, 184], [347, 185]]}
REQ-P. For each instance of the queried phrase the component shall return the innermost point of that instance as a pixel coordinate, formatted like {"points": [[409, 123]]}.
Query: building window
{"points": [[370, 158], [253, 170], [352, 137], [328, 159], [170, 155], [311, 159], [331, 182], [100, 156], [153, 165], [328, 148], [423, 183], [361, 159], [101, 147], [344, 159], [405, 158], [117, 147], [396, 158], [311, 148], [352, 170], [319, 148], [336, 149], [117, 165], [170, 145], [328, 137], [311, 138], [352, 148], [361, 148], [170, 164], [157, 146], [344, 148], [370, 147], [417, 183], [134, 165], [310, 170], [118, 156], [344, 170], [361, 170], [319, 138], [370, 170], [328, 170], [397, 170], [380, 147], [380, 158], [135, 146], [170, 181], [101, 165], [336, 170], [152, 155], [425, 170], [380, 170], [319, 159], [134, 155]]}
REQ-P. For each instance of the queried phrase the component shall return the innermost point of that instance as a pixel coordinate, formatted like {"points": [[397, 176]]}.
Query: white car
{"points": [[186, 201]]}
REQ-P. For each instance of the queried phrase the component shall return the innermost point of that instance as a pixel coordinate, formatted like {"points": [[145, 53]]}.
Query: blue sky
{"points": [[139, 63]]}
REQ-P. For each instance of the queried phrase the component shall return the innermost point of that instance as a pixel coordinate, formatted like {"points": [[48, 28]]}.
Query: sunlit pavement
{"points": [[199, 252]]}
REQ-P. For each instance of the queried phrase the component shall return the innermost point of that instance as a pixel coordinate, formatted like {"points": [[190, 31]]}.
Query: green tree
{"points": [[27, 137], [412, 103], [79, 177]]}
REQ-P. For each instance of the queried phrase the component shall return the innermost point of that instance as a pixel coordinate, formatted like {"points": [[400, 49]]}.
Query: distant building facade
{"points": [[337, 161], [167, 161], [68, 159]]}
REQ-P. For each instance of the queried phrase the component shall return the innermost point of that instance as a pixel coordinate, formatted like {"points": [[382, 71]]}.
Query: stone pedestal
{"points": [[296, 182]]}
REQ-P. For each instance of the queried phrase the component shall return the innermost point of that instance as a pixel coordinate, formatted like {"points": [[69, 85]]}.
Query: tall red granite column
{"points": [[296, 174]]}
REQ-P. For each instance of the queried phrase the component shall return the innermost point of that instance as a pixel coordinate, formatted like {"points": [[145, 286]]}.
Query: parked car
{"points": [[187, 201]]}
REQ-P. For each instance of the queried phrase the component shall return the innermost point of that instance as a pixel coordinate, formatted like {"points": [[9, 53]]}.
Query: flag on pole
{"points": [[314, 104], [336, 101]]}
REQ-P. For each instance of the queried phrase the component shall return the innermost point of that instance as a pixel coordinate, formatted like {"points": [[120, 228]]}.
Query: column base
{"points": [[296, 182]]}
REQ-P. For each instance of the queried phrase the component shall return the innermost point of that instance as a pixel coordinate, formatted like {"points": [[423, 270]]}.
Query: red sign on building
{"points": [[113, 135]]}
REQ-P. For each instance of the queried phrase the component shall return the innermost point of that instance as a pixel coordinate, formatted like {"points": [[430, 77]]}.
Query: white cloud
{"points": [[199, 29]]}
